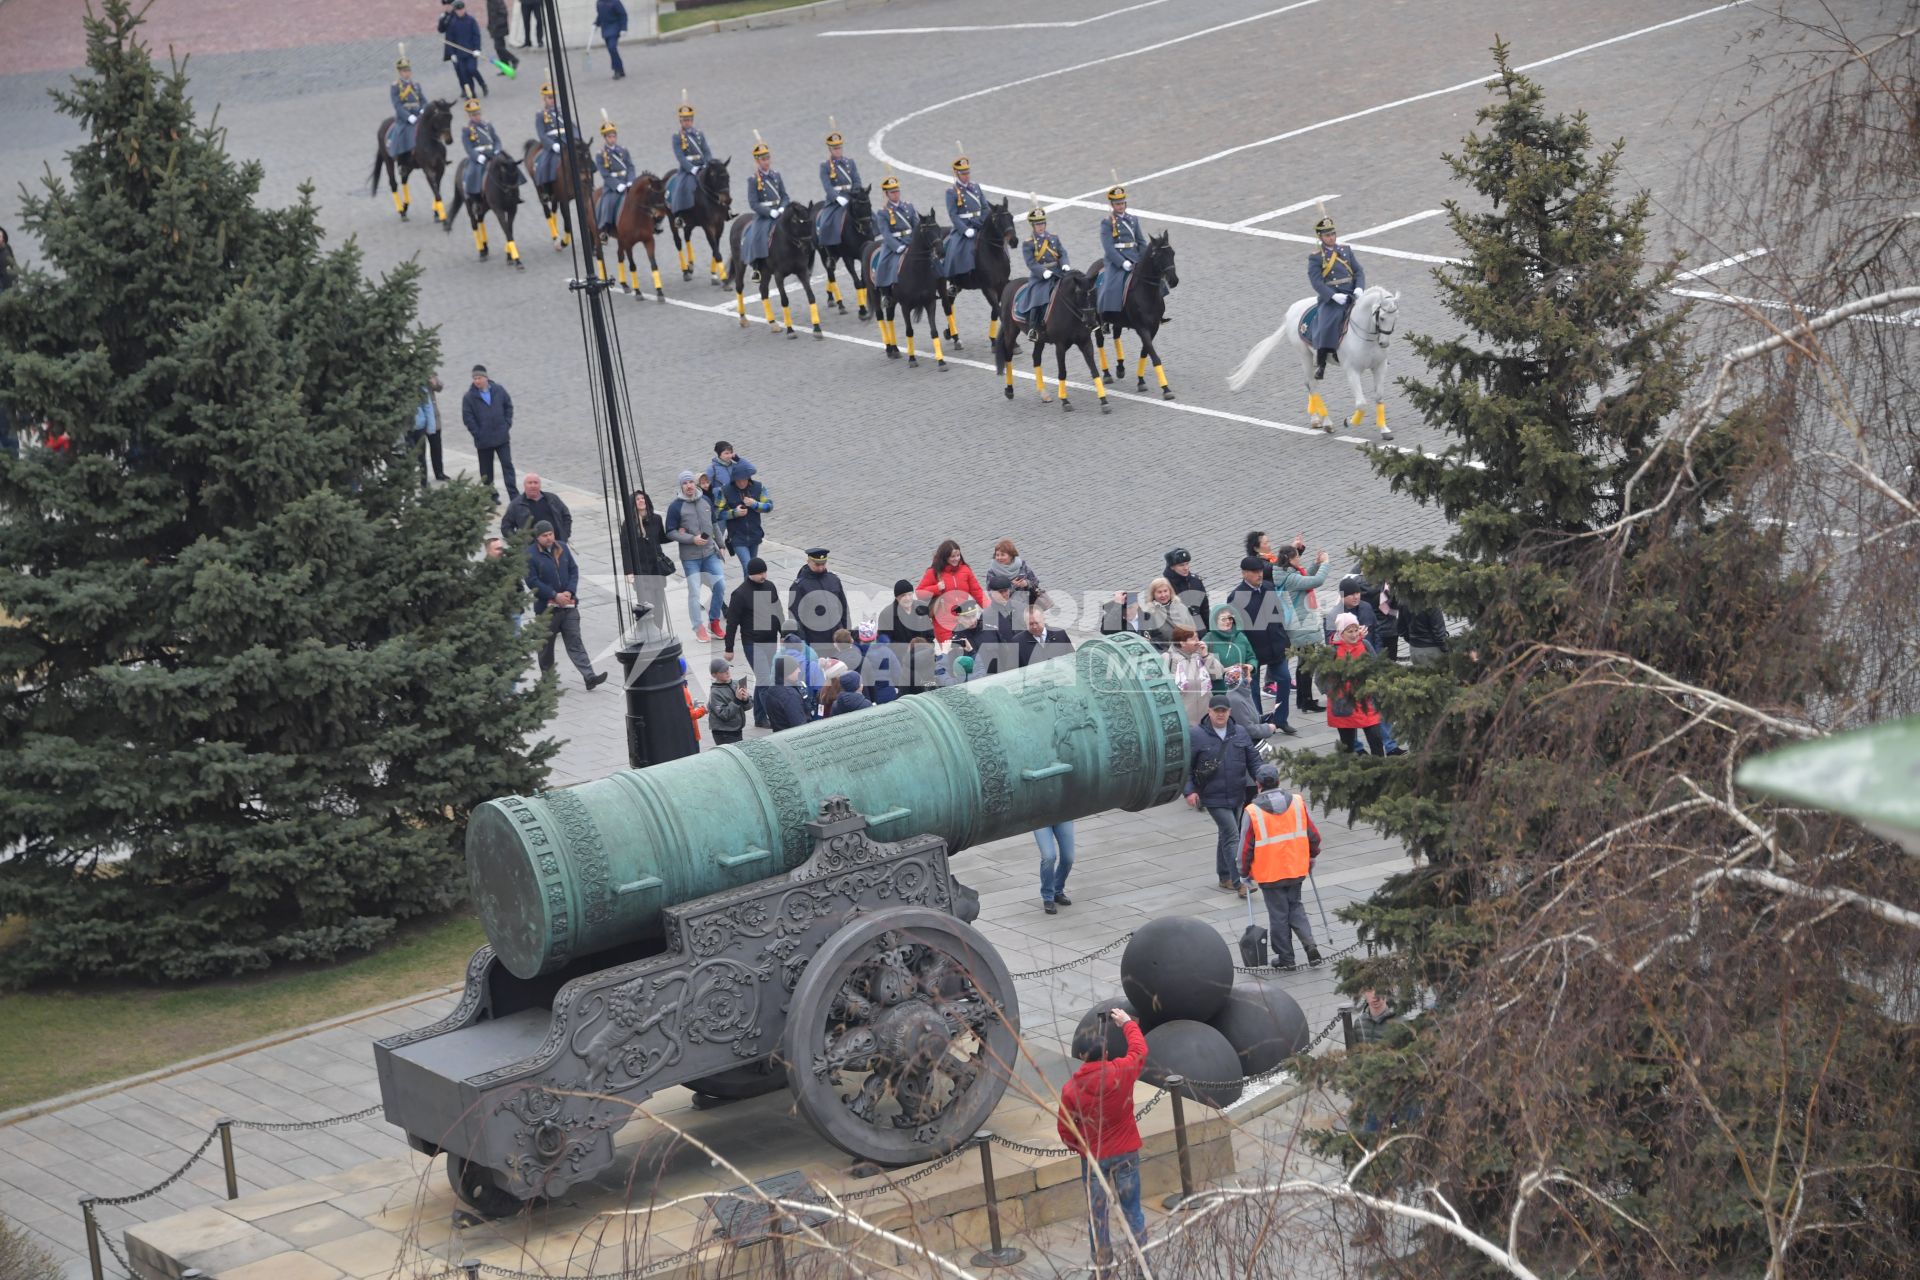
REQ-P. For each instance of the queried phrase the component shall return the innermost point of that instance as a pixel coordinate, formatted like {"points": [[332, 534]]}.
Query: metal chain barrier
{"points": [[296, 1126], [894, 1184], [168, 1181], [1120, 941]]}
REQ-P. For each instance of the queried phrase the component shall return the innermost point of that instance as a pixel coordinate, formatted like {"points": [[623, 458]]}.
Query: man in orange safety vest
{"points": [[1278, 843]]}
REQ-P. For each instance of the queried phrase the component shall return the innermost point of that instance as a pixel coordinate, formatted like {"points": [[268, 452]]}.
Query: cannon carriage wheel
{"points": [[483, 1189], [901, 1036]]}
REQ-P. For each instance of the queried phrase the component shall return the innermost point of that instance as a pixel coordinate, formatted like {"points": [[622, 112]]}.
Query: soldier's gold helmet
{"points": [[889, 183], [1037, 215], [401, 63], [607, 129], [684, 111], [760, 147], [473, 106], [1323, 227], [960, 165], [835, 140], [546, 90], [1116, 192]]}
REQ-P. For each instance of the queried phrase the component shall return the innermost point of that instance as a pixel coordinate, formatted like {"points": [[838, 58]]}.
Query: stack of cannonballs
{"points": [[1178, 977]]}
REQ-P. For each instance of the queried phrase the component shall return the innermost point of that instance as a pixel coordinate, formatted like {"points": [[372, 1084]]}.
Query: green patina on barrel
{"points": [[571, 872]]}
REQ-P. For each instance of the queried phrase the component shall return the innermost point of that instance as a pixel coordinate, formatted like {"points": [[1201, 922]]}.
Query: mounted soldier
{"points": [[1122, 245], [767, 197], [1336, 278], [840, 179], [551, 130], [1046, 263], [482, 143], [409, 101], [894, 226], [967, 211], [690, 155], [617, 173]]}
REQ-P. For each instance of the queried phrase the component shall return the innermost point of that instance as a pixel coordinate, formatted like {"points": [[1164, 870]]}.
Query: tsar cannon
{"points": [[773, 913]]}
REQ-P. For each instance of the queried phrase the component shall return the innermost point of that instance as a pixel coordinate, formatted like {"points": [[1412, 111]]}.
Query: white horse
{"points": [[1362, 353]]}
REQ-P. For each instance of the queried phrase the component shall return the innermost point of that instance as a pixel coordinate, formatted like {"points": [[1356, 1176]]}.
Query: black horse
{"points": [[573, 177], [1146, 305], [992, 265], [712, 208], [918, 287], [431, 138], [789, 253], [856, 233], [1069, 322], [499, 195]]}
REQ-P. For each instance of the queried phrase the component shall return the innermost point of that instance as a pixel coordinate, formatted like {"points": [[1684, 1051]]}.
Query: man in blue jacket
{"points": [[1261, 617], [1221, 770], [487, 411], [460, 33], [554, 576], [740, 504], [610, 16]]}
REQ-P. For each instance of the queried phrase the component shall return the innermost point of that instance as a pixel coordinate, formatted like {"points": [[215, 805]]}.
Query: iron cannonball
{"points": [[1201, 1054], [1263, 1024], [1087, 1034], [1176, 967]]}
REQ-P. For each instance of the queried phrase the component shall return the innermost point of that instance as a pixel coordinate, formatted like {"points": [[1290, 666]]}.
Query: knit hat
{"points": [[542, 526], [744, 470], [1267, 775], [850, 680], [686, 476], [1352, 584], [1344, 621], [756, 565], [720, 667], [901, 588], [479, 368]]}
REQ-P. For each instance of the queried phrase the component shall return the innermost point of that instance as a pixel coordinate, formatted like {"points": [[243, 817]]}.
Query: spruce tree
{"points": [[260, 677]]}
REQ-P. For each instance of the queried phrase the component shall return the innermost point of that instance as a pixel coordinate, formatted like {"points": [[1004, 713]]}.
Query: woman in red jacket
{"points": [[945, 584], [1347, 711], [1096, 1119]]}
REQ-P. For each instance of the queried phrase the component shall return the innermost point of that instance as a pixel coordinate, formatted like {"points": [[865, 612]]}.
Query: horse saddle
{"points": [[1020, 304], [1306, 321]]}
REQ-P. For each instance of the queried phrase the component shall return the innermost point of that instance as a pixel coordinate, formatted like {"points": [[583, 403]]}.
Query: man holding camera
{"points": [[1096, 1119]]}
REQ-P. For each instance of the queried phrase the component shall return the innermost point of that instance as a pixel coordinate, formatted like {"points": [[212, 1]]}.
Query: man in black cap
{"points": [[817, 601], [905, 620], [1262, 620], [997, 639], [554, 577], [754, 621], [487, 411], [1187, 587]]}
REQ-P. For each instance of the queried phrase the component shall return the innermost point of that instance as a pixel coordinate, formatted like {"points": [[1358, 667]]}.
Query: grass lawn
{"points": [[717, 12], [54, 1041]]}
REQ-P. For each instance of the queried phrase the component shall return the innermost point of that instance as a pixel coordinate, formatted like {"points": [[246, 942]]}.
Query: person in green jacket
{"points": [[1226, 643]]}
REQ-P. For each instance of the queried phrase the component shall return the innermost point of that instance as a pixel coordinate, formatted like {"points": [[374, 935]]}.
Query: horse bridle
{"points": [[1379, 336]]}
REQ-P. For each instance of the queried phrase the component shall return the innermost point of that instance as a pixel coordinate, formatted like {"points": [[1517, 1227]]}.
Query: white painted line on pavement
{"points": [[1281, 212], [997, 26], [1721, 265], [1474, 83], [1771, 304], [1422, 216]]}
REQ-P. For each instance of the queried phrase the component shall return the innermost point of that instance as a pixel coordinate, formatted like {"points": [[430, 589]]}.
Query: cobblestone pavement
{"points": [[881, 462]]}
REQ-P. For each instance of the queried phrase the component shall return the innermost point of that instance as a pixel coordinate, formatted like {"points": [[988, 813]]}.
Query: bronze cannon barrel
{"points": [[570, 872]]}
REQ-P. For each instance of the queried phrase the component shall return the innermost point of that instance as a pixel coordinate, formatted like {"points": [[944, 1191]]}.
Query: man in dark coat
{"points": [[1263, 621], [487, 411], [1040, 642], [905, 620], [817, 601], [500, 27], [460, 35], [786, 708], [554, 577], [997, 639], [754, 622], [1221, 770], [534, 505]]}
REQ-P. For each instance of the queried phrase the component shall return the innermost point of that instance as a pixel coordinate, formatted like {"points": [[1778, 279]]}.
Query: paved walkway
{"points": [[1130, 868]]}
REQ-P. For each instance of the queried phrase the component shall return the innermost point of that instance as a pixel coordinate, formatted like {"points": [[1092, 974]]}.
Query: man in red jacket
{"points": [[1096, 1119]]}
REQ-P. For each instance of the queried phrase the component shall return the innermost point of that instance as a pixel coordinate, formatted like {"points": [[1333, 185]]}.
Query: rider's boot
{"points": [[1320, 366]]}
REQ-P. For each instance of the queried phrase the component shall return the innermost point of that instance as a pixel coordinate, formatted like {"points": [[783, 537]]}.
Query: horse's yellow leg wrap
{"points": [[766, 305], [1103, 362], [885, 336], [1063, 389], [553, 227], [786, 315], [938, 354], [1316, 407], [513, 252], [910, 352], [1120, 355], [620, 265], [1160, 372], [439, 210], [813, 313], [740, 306], [1380, 414], [861, 294], [993, 329], [952, 331], [1040, 381], [601, 263], [1357, 417], [656, 279], [717, 268], [1100, 388], [833, 292], [399, 205], [1009, 375], [480, 238], [1140, 370]]}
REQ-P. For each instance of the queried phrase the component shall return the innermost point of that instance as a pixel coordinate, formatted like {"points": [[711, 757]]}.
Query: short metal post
{"points": [[779, 1251], [93, 1240], [226, 1159], [1346, 1025], [1173, 1085], [1001, 1255], [472, 1267]]}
